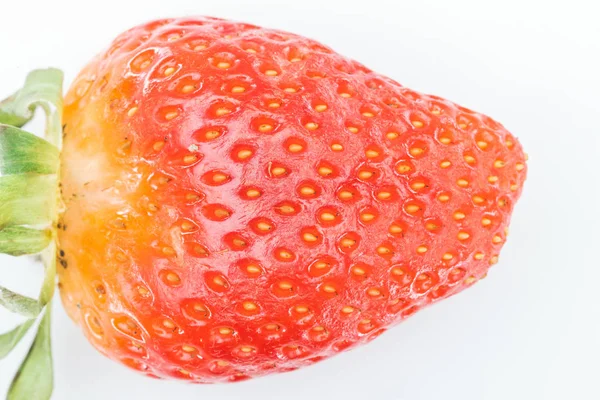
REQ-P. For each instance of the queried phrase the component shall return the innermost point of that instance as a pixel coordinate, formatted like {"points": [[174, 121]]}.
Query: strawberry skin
{"points": [[241, 201]]}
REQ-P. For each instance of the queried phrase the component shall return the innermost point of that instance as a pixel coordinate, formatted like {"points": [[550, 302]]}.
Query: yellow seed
{"points": [[199, 47], [158, 145], [221, 213], [243, 154], [249, 50], [368, 114], [222, 363], [321, 265], [277, 171], [225, 331], [447, 257], [358, 271], [187, 88], [285, 254], [210, 135], [223, 65], [496, 239], [462, 126], [353, 129], [168, 324], [346, 95], [478, 199], [168, 251], [403, 168], [417, 185], [459, 215], [348, 309], [265, 128], [345, 195], [365, 174], [499, 164], [170, 115], [187, 226], [274, 104], [462, 183], [492, 179], [520, 166], [169, 71], [347, 242], [249, 306], [143, 291], [326, 216], [222, 111], [478, 256], [271, 72], [320, 107], [412, 208], [295, 147], [486, 221], [238, 89], [367, 217], [384, 195], [372, 153], [470, 159], [373, 292], [285, 285], [445, 164], [311, 126], [494, 260], [309, 237], [509, 143], [482, 145], [422, 249], [238, 242], [253, 269], [290, 90], [445, 140], [391, 135], [514, 188], [190, 159], [416, 151], [295, 59], [395, 229], [337, 147], [287, 209], [301, 309], [324, 171], [188, 349], [470, 280], [381, 250], [417, 124], [219, 177], [463, 236], [329, 289], [307, 191], [253, 193], [263, 226], [132, 111], [246, 349], [173, 277]]}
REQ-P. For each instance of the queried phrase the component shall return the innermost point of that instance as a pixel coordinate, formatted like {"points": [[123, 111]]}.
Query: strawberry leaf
{"points": [[42, 88], [22, 152], [19, 304], [9, 340], [34, 380], [27, 199], [18, 241], [47, 291]]}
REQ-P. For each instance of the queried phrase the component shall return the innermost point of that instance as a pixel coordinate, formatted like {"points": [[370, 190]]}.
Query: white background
{"points": [[531, 330]]}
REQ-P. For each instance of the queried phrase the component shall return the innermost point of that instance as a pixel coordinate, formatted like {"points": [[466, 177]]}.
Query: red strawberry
{"points": [[242, 201]]}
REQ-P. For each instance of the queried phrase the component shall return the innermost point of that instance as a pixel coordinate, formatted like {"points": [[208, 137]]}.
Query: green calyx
{"points": [[29, 204]]}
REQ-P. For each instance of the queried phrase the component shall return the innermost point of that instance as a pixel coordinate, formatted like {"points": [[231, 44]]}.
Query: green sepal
{"points": [[10, 339], [43, 87], [19, 304], [49, 285], [34, 380], [22, 152], [19, 241], [27, 199]]}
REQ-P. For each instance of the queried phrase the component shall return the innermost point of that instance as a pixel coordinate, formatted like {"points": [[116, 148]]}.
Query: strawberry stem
{"points": [[29, 203]]}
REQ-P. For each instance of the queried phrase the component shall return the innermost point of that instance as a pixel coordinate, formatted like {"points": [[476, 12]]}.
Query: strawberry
{"points": [[241, 201]]}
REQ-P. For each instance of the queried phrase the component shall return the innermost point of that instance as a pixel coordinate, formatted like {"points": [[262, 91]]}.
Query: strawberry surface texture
{"points": [[241, 201]]}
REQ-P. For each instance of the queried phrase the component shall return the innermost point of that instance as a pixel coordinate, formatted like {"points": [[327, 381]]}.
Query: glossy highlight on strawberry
{"points": [[242, 201]]}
